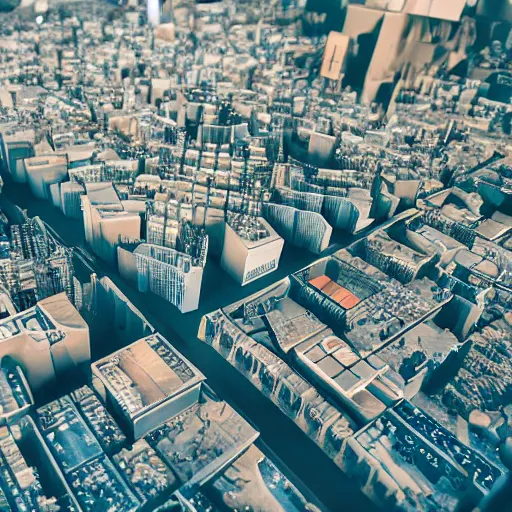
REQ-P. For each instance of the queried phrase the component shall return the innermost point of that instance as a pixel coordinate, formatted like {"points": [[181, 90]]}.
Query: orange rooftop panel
{"points": [[320, 282]]}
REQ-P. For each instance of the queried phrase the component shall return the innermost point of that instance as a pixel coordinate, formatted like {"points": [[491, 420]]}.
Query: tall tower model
{"points": [[159, 11]]}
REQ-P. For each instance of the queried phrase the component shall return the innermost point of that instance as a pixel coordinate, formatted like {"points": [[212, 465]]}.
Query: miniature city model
{"points": [[309, 202]]}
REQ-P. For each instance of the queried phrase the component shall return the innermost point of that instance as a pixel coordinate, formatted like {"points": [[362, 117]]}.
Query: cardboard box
{"points": [[447, 10], [335, 55], [147, 382]]}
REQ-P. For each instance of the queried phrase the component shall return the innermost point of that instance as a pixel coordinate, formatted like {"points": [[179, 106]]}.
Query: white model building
{"points": [[44, 171], [16, 144], [246, 259], [67, 195], [165, 272], [106, 221], [45, 340], [69, 200], [300, 228]]}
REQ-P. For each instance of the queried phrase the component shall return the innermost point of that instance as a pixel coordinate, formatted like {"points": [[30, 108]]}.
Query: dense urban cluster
{"points": [[176, 134], [146, 432]]}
